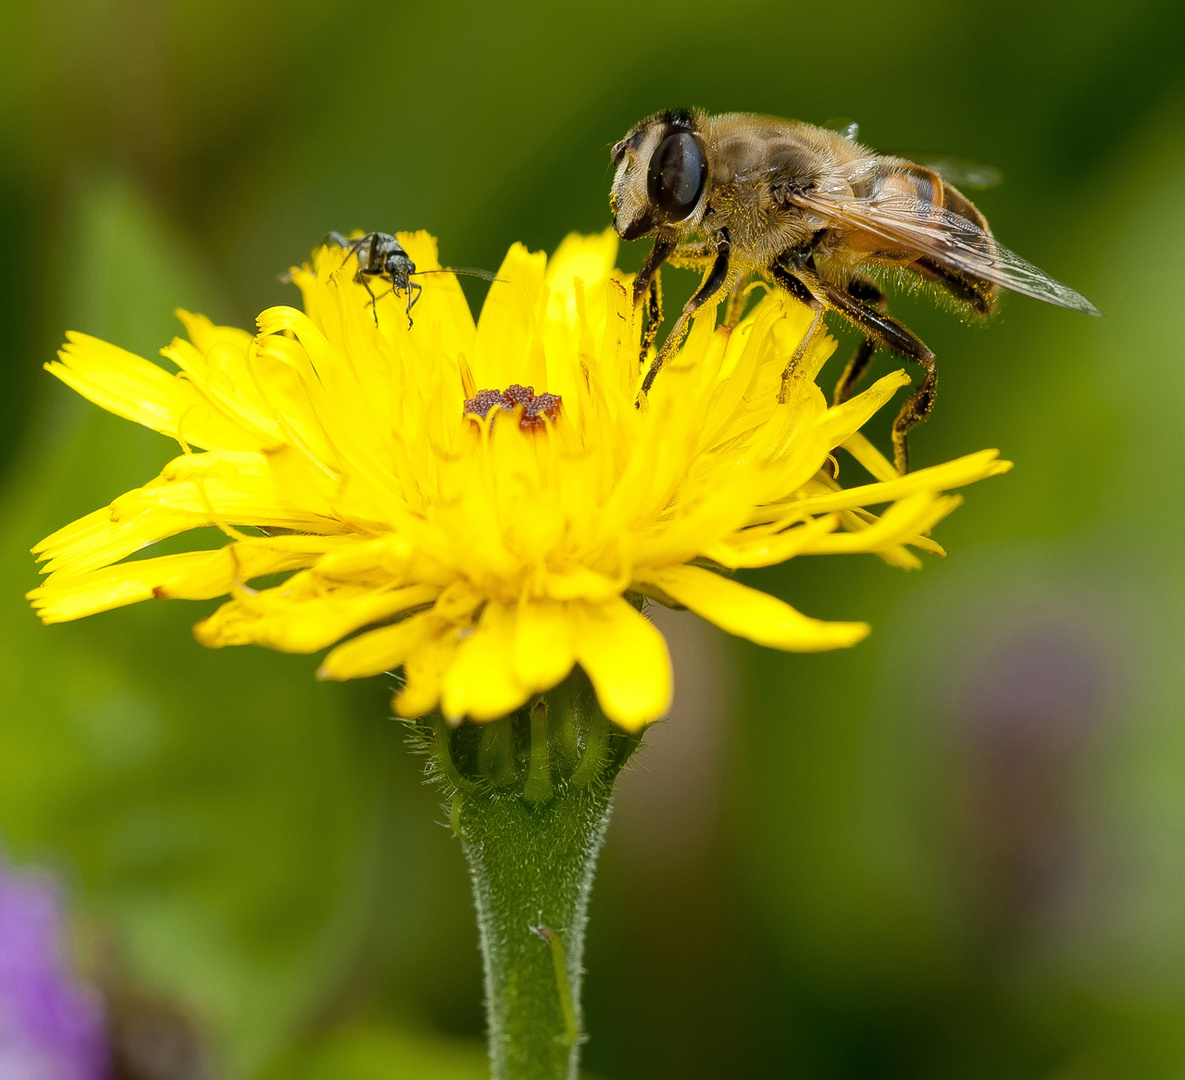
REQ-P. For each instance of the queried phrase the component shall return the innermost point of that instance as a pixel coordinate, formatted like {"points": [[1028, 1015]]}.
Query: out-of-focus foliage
{"points": [[382, 1053], [953, 851]]}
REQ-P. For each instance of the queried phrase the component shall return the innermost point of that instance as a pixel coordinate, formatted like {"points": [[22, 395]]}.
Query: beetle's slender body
{"points": [[381, 255]]}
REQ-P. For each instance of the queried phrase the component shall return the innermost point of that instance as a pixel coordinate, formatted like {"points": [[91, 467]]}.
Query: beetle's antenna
{"points": [[470, 271]]}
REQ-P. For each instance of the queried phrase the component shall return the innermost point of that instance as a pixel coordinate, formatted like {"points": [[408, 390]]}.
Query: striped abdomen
{"points": [[896, 183]]}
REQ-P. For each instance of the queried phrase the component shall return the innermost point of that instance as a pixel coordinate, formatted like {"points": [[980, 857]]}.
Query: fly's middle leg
{"points": [[869, 294], [794, 284]]}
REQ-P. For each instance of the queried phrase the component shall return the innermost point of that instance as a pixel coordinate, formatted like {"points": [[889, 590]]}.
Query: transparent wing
{"points": [[956, 170], [917, 226], [845, 126]]}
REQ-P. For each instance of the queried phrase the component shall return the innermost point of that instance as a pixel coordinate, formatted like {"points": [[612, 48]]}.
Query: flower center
{"points": [[536, 408]]}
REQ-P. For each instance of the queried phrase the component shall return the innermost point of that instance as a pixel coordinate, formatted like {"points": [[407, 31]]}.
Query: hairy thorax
{"points": [[756, 162]]}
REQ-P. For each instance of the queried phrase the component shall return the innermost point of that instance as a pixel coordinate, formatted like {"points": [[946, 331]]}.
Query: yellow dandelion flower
{"points": [[478, 504]]}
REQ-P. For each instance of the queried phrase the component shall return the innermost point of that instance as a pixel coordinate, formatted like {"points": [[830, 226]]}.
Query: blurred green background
{"points": [[957, 850]]}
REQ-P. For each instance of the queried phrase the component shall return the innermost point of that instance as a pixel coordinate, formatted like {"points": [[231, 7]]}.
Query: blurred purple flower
{"points": [[51, 1025]]}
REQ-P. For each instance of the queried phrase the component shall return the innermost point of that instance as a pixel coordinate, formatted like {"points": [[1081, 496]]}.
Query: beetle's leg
{"points": [[888, 331], [374, 304], [797, 287], [714, 281], [414, 288], [869, 294], [349, 246]]}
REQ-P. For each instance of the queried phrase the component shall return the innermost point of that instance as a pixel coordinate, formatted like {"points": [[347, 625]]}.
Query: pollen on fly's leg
{"points": [[536, 409]]}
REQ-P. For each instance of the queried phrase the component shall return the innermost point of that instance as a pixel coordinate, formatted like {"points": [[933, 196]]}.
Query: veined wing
{"points": [[915, 225], [956, 170]]}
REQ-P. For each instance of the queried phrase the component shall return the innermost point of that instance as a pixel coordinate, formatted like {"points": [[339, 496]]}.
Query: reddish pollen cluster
{"points": [[536, 408]]}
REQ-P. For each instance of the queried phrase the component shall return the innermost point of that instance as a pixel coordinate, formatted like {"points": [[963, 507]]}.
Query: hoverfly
{"points": [[821, 216]]}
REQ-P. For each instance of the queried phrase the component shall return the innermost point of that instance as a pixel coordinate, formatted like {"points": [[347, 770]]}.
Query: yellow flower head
{"points": [[480, 501]]}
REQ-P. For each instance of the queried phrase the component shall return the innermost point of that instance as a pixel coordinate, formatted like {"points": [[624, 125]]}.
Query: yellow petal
{"points": [[870, 457], [379, 650], [194, 575], [751, 614], [284, 618], [750, 548], [424, 669], [957, 473], [506, 338], [898, 525], [542, 653], [442, 304], [582, 583], [626, 659], [217, 488], [840, 422], [138, 390], [205, 335], [589, 258], [480, 683]]}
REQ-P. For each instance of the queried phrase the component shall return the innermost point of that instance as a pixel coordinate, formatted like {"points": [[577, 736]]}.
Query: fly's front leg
{"points": [[647, 284], [870, 295], [797, 287], [888, 331], [695, 256], [714, 281], [663, 246], [653, 316]]}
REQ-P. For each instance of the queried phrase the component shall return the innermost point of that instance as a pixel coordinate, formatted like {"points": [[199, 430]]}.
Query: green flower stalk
{"points": [[530, 797]]}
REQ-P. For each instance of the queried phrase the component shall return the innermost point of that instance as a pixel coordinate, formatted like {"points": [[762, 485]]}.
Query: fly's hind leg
{"points": [[916, 408], [869, 294], [854, 372], [888, 331]]}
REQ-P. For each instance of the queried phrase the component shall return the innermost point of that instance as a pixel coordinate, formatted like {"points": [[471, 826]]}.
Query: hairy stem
{"points": [[532, 870], [530, 801]]}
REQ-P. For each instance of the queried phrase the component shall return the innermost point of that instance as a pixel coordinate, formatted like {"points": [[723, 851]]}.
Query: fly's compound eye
{"points": [[677, 174]]}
